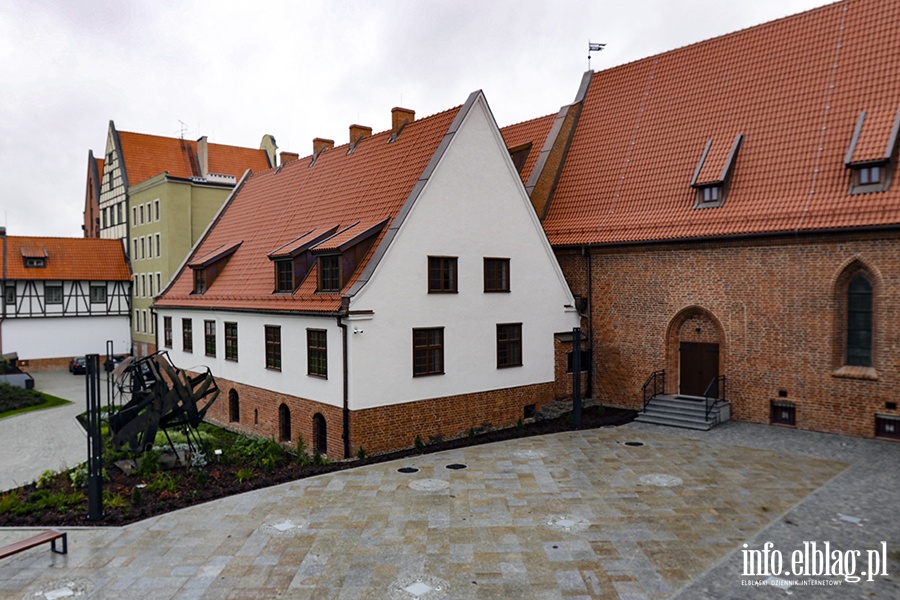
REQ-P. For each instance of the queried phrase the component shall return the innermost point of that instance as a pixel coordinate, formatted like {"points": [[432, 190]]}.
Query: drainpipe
{"points": [[3, 235], [588, 392], [346, 434]]}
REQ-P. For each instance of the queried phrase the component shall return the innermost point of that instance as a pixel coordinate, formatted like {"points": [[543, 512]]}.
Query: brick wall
{"points": [[44, 364], [376, 429], [776, 306]]}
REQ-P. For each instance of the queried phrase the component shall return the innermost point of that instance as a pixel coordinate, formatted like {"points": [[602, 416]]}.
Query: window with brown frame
{"points": [[496, 274], [209, 337], [187, 335], [284, 276], [231, 341], [167, 332], [273, 347], [428, 351], [509, 345], [199, 281], [329, 273], [442, 274], [317, 352]]}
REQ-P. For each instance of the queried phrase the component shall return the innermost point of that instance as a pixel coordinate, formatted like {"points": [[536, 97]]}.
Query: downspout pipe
{"points": [[588, 391], [3, 235], [346, 420]]}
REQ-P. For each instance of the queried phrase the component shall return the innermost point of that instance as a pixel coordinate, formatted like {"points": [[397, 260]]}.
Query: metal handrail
{"points": [[658, 379], [715, 397]]}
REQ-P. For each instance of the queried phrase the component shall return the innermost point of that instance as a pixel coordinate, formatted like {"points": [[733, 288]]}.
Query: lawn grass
{"points": [[49, 402]]}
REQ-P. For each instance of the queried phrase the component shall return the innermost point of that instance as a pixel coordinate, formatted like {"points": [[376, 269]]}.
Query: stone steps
{"points": [[684, 411]]}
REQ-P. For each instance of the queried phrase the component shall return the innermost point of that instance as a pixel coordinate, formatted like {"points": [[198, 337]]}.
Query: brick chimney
{"points": [[358, 132], [400, 117], [203, 156], [288, 157], [321, 144]]}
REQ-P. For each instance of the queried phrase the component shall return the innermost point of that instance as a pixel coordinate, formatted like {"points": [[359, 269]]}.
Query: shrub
{"points": [[148, 464], [318, 459], [14, 398], [79, 476], [111, 500], [302, 457], [137, 497], [361, 454], [162, 482], [263, 453], [45, 478], [419, 443], [243, 475]]}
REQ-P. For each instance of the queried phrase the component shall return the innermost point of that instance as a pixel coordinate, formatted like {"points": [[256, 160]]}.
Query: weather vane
{"points": [[593, 47]]}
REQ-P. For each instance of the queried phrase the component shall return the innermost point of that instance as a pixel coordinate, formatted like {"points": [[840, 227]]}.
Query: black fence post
{"points": [[576, 377], [95, 446]]}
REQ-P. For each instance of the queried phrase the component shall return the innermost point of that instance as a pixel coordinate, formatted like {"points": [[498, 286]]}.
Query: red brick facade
{"points": [[376, 429], [776, 306]]}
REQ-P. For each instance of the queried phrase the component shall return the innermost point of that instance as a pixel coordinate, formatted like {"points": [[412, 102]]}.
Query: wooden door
{"points": [[699, 364]]}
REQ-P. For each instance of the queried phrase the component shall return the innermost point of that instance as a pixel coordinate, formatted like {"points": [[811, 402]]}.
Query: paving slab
{"points": [[571, 515]]}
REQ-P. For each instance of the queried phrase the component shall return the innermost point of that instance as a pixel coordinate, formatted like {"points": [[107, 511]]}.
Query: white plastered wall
{"points": [[63, 337], [473, 206]]}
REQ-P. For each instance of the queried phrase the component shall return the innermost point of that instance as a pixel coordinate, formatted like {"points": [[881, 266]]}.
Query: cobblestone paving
{"points": [[573, 515]]}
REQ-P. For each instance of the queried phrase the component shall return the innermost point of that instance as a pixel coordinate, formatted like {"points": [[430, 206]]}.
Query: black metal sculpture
{"points": [[162, 397]]}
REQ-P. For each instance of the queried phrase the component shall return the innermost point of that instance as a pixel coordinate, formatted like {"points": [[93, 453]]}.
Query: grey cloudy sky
{"points": [[234, 71]]}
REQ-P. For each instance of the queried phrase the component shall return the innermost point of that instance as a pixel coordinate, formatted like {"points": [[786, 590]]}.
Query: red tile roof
{"points": [[149, 155], [71, 259], [794, 88], [271, 210], [532, 132]]}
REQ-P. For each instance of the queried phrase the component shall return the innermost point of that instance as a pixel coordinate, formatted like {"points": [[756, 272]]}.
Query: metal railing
{"points": [[712, 393], [656, 384]]}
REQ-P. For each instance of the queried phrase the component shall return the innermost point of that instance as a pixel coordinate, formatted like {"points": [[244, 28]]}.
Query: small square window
{"points": [[98, 294], [711, 194], [53, 294], [496, 274], [783, 413], [887, 426], [442, 271]]}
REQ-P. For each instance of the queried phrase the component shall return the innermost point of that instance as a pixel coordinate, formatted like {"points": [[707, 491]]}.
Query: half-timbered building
{"points": [[63, 297]]}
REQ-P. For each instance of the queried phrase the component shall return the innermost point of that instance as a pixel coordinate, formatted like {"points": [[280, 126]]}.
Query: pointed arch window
{"points": [[859, 322]]}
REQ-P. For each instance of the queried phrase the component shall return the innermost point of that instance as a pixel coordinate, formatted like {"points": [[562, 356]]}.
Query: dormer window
{"points": [[284, 276], [712, 177], [329, 267], [871, 154], [519, 156], [34, 258], [208, 267], [35, 263]]}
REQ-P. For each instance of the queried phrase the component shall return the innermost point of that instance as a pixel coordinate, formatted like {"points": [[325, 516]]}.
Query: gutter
{"points": [[588, 392], [345, 435]]}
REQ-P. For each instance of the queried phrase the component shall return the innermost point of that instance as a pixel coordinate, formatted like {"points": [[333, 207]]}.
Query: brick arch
{"points": [[847, 272], [683, 327]]}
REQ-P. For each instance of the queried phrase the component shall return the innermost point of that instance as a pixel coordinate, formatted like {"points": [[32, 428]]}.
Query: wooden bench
{"points": [[36, 540]]}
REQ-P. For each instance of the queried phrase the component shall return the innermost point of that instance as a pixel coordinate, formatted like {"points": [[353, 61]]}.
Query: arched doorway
{"points": [[320, 433], [695, 349], [234, 406], [284, 423]]}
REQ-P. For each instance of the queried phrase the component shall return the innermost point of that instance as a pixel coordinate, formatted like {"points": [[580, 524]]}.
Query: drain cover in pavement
{"points": [[566, 523], [419, 587], [428, 485], [634, 444], [456, 466], [407, 470], [661, 480]]}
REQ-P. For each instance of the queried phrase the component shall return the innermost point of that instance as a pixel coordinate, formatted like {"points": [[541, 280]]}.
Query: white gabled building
{"points": [[63, 297], [398, 286]]}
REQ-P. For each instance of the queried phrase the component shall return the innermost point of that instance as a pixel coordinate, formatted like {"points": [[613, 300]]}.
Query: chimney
{"points": [[270, 146], [321, 144], [400, 117], [203, 156], [358, 132], [288, 157]]}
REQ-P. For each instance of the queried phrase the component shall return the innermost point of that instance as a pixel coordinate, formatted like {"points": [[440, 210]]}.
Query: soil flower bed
{"points": [[60, 499]]}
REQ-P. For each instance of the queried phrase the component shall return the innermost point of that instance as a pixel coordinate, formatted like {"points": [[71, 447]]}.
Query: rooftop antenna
{"points": [[184, 125], [593, 47]]}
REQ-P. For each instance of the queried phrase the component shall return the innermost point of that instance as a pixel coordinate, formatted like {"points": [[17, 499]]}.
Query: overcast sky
{"points": [[234, 71]]}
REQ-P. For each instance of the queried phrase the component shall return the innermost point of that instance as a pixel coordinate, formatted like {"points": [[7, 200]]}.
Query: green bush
{"points": [[243, 475], [264, 453], [361, 454], [162, 482], [111, 500], [418, 443], [45, 478], [302, 456], [14, 398], [148, 463]]}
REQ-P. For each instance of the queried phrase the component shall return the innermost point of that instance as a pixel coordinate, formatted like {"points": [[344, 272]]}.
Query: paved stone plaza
{"points": [[573, 515]]}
